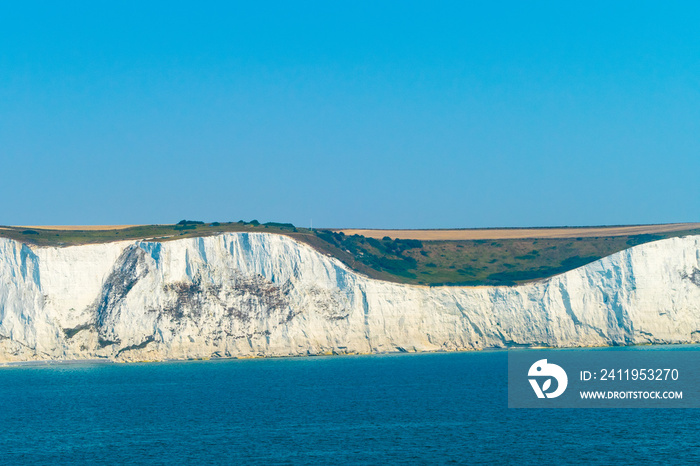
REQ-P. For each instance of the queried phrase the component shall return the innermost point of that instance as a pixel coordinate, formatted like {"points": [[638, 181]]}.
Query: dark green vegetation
{"points": [[481, 262], [471, 262]]}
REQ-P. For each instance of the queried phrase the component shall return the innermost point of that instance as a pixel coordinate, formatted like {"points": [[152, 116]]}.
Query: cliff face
{"points": [[253, 294]]}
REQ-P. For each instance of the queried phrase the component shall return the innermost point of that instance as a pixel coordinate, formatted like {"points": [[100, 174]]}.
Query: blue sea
{"points": [[445, 408]]}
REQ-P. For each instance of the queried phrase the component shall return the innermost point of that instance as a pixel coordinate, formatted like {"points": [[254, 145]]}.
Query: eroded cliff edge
{"points": [[257, 294]]}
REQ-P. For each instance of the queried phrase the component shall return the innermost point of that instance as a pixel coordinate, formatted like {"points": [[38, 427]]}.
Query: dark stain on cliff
{"points": [[257, 292], [252, 294], [260, 298], [190, 296], [71, 332], [141, 345], [102, 342], [693, 276], [128, 270]]}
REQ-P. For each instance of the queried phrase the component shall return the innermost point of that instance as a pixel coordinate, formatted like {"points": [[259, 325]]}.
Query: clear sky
{"points": [[363, 114]]}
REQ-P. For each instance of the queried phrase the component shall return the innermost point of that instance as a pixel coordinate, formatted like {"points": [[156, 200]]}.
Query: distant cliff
{"points": [[257, 294]]}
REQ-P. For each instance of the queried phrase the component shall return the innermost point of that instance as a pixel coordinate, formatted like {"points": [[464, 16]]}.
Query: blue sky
{"points": [[365, 114]]}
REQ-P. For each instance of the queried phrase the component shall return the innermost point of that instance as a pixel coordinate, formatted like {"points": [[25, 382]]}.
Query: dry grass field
{"points": [[521, 233]]}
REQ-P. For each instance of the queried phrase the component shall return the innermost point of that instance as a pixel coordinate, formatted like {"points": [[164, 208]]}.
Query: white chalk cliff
{"points": [[256, 294]]}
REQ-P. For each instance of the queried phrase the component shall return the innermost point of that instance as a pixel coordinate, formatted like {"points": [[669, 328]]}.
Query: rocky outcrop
{"points": [[256, 294]]}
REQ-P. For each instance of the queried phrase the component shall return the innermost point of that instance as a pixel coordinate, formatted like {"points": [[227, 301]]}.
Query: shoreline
{"points": [[106, 361]]}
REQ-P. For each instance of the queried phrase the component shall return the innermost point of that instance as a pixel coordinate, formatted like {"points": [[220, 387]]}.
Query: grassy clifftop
{"points": [[446, 262], [480, 262]]}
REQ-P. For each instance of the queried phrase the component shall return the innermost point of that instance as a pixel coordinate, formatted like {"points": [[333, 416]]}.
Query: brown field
{"points": [[521, 233], [77, 227]]}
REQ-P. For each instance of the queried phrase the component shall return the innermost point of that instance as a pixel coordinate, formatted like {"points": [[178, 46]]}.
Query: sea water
{"points": [[445, 408]]}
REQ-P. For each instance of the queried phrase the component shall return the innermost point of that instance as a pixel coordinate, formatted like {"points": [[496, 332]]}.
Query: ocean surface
{"points": [[446, 408]]}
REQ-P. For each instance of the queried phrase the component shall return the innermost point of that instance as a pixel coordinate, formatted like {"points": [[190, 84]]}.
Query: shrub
{"points": [[281, 226], [375, 243]]}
